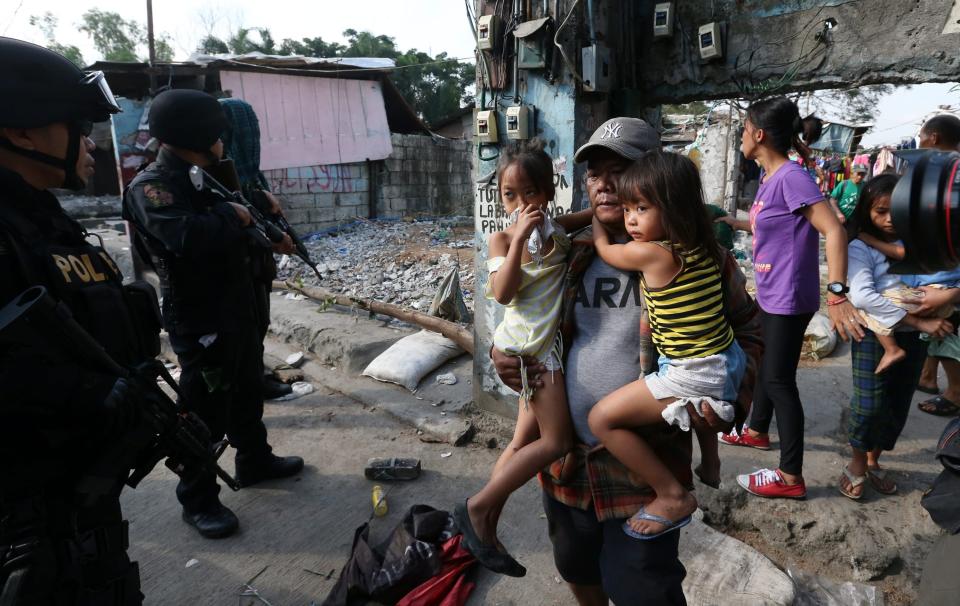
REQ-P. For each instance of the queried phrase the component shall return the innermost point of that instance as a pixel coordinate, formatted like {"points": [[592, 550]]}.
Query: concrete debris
{"points": [[393, 262], [447, 378], [295, 359]]}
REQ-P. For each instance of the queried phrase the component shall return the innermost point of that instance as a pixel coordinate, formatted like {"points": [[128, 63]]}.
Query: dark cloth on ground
{"points": [[632, 571], [411, 555], [777, 386], [880, 403]]}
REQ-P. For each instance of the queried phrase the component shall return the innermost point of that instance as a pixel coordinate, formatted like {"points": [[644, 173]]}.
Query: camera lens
{"points": [[925, 209]]}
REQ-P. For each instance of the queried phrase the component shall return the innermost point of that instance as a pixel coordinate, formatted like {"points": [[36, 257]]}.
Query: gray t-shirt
{"points": [[605, 353]]}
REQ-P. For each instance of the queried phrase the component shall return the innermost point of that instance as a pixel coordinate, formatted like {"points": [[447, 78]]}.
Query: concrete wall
{"points": [[874, 41], [316, 197], [425, 176]]}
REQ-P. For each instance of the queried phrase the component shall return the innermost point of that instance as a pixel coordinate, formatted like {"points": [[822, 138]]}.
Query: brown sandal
{"points": [[880, 482], [855, 483]]}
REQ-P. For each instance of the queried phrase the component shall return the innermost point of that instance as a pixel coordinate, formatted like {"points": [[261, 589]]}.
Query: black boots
{"points": [[213, 522], [270, 468], [273, 388]]}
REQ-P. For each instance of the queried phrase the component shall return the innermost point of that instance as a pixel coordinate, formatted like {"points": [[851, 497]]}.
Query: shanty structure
{"points": [[335, 133]]}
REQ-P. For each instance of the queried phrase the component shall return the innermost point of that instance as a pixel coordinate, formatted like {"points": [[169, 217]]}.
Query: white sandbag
{"points": [[820, 339], [723, 570], [411, 358]]}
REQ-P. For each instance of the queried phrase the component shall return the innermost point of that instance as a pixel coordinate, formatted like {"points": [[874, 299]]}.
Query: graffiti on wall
{"points": [[328, 178]]}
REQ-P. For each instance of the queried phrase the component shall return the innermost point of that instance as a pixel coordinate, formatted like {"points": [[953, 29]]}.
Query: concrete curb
{"points": [[340, 345]]}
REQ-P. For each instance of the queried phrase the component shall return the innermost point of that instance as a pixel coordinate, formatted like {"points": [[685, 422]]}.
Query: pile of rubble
{"points": [[391, 261]]}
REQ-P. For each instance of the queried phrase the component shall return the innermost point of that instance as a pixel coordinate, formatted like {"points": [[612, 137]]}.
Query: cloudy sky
{"points": [[428, 25]]}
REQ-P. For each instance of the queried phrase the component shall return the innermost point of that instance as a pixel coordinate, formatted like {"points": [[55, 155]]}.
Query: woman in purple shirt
{"points": [[787, 218]]}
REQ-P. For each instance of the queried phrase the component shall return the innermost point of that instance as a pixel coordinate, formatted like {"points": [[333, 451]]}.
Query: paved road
{"points": [[308, 522]]}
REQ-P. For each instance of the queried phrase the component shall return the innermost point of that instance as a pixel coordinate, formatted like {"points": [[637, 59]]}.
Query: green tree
{"points": [[854, 105], [116, 38], [47, 24], [211, 45], [242, 43], [163, 46], [365, 44], [434, 86], [311, 47]]}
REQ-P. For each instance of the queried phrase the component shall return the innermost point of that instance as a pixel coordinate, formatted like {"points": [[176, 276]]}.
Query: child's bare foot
{"points": [[671, 508], [709, 472], [890, 358]]}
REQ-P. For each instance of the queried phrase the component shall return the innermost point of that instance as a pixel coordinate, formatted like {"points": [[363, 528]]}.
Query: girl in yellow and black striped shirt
{"points": [[674, 248]]}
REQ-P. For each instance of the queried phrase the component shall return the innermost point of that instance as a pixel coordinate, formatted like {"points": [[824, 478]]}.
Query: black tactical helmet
{"points": [[190, 119], [39, 87]]}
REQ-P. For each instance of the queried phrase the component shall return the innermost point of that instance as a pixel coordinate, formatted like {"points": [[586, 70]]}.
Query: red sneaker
{"points": [[770, 483], [744, 439]]}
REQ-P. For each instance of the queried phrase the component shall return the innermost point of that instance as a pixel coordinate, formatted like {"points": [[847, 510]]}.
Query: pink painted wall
{"points": [[306, 121]]}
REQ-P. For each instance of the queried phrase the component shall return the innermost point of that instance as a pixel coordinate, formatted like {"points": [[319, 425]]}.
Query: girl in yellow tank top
{"points": [[527, 264], [674, 247]]}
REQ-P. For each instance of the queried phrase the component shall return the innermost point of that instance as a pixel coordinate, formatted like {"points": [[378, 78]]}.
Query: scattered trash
{"points": [[295, 359], [294, 296], [444, 455], [299, 388], [379, 501], [448, 303], [813, 590], [443, 412], [820, 339], [392, 469], [192, 562], [447, 378], [250, 591]]}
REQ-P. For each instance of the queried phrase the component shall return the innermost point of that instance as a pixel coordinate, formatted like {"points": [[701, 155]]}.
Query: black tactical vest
{"points": [[200, 295], [55, 251]]}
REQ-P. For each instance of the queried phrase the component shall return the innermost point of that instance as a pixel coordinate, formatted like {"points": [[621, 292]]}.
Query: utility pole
{"points": [[152, 70]]}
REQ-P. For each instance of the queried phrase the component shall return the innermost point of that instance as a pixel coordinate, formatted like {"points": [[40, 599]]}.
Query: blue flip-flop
{"points": [[643, 514]]}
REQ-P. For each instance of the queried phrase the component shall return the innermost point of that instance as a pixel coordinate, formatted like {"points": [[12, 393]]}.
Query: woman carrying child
{"points": [[881, 401], [674, 248], [527, 264]]}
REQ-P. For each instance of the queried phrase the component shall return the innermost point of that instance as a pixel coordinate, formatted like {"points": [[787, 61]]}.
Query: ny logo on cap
{"points": [[611, 130]]}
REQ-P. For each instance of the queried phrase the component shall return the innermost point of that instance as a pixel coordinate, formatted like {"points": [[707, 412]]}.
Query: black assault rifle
{"points": [[164, 431], [270, 227]]}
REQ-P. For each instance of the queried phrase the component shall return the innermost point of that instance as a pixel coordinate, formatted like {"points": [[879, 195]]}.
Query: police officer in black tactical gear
{"points": [[201, 246], [61, 542]]}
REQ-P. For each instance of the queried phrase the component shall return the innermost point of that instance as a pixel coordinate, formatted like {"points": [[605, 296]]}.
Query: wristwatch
{"points": [[837, 288]]}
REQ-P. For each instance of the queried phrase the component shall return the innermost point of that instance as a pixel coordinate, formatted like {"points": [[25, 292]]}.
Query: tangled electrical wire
{"points": [[745, 72]]}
